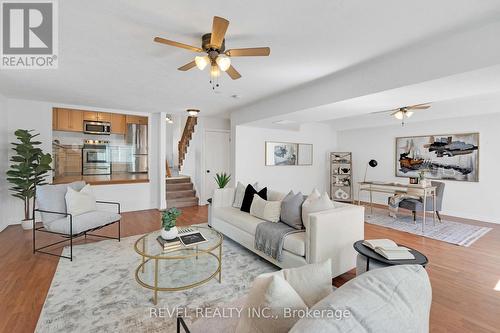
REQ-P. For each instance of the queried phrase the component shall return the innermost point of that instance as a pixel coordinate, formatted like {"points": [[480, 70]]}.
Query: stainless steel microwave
{"points": [[96, 127]]}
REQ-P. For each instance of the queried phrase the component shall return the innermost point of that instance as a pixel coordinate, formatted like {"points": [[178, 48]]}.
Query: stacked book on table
{"points": [[170, 244], [389, 249]]}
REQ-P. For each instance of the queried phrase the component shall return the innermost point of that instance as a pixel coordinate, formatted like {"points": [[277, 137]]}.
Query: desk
{"points": [[397, 188]]}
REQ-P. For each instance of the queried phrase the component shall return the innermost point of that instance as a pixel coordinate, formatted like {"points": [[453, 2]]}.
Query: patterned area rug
{"points": [[97, 291], [447, 231]]}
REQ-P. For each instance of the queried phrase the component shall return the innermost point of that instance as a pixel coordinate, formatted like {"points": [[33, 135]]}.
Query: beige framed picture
{"points": [[288, 153]]}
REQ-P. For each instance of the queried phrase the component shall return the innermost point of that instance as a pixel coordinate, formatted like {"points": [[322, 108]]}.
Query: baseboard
{"points": [[429, 214]]}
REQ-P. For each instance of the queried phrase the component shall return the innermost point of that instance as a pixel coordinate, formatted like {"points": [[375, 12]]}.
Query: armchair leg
{"points": [[119, 229], [438, 216], [414, 217]]}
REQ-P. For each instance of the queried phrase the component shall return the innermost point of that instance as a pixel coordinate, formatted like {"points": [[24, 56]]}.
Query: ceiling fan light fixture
{"points": [[399, 115], [201, 62], [409, 114], [214, 71], [169, 119], [193, 112], [223, 61]]}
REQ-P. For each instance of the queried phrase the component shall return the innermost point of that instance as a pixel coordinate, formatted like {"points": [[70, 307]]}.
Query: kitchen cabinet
{"points": [[118, 123], [137, 120], [67, 120], [97, 116]]}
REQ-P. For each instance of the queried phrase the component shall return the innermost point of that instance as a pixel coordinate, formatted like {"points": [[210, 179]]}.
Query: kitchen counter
{"points": [[115, 178]]}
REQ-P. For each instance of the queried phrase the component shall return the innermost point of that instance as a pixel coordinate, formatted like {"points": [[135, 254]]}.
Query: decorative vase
{"points": [[27, 224], [171, 234]]}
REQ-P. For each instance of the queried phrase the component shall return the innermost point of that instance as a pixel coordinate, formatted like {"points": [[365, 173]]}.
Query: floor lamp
{"points": [[373, 164]]}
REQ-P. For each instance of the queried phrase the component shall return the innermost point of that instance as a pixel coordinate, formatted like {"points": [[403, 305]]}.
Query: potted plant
{"points": [[222, 179], [28, 169], [168, 222]]}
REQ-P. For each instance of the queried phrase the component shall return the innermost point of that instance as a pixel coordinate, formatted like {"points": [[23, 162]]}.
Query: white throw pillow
{"points": [[239, 194], [78, 203], [315, 204], [312, 282], [266, 210], [270, 296]]}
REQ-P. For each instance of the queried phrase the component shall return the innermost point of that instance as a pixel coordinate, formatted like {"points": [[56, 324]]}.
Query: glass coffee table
{"points": [[179, 269]]}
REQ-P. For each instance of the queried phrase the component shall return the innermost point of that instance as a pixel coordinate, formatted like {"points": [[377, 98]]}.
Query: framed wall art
{"points": [[288, 153], [444, 157]]}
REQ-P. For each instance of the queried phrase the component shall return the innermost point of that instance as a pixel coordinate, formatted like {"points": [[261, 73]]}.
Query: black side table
{"points": [[369, 254]]}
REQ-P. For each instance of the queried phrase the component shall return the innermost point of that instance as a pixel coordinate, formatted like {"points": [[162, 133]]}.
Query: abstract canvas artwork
{"points": [[281, 153], [445, 157], [286, 153]]}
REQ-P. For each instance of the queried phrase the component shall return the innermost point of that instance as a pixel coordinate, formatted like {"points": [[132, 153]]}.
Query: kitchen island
{"points": [[114, 178]]}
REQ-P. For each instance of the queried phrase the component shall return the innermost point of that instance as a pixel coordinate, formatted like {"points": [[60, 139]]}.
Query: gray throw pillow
{"points": [[291, 210]]}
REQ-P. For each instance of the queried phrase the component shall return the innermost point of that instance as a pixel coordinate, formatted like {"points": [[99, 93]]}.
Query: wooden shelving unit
{"points": [[341, 176]]}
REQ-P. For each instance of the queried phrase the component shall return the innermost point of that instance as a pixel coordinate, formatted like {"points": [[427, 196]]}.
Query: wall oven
{"points": [[96, 127], [96, 158]]}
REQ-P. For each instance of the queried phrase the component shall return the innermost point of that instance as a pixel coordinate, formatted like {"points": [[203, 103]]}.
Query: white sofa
{"points": [[387, 300], [331, 233]]}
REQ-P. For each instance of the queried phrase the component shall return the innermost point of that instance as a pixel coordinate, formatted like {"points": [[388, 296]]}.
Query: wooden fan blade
{"points": [[385, 111], [418, 107], [177, 44], [233, 73], [219, 28], [187, 66], [249, 52]]}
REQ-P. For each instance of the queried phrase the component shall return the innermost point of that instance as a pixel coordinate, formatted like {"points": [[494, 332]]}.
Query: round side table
{"points": [[368, 259]]}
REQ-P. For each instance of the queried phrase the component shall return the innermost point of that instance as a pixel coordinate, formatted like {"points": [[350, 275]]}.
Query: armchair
{"points": [[51, 204], [416, 205]]}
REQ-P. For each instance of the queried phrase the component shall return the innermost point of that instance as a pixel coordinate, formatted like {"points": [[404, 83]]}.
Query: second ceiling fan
{"points": [[405, 111], [213, 44]]}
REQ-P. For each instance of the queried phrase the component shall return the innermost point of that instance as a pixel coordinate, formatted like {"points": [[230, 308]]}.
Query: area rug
{"points": [[97, 291], [447, 231]]}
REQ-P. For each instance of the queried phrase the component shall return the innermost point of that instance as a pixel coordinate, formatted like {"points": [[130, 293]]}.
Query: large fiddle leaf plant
{"points": [[28, 168]]}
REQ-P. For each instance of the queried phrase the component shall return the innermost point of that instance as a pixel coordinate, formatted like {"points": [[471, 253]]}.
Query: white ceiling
{"points": [[108, 59]]}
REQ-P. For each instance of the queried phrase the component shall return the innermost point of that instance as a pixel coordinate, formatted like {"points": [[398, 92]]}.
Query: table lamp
{"points": [[373, 164]]}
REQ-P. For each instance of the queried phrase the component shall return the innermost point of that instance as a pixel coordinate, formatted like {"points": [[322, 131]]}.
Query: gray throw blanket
{"points": [[269, 238]]}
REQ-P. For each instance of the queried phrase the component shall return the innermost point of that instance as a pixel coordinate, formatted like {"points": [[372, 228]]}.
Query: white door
{"points": [[216, 150]]}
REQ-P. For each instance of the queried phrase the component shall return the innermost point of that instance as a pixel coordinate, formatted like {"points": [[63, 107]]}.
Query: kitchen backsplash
{"points": [[75, 138]]}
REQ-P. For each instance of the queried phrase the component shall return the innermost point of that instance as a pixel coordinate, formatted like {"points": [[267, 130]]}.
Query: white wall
{"points": [[37, 115], [194, 164], [249, 162], [469, 200], [4, 162]]}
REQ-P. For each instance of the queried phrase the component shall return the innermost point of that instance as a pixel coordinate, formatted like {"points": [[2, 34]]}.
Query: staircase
{"points": [[187, 135], [180, 192]]}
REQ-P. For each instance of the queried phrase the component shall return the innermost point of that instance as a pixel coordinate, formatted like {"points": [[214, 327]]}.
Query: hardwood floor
{"points": [[463, 279]]}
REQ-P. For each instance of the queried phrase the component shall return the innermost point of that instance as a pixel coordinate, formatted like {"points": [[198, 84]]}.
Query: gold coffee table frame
{"points": [[140, 248]]}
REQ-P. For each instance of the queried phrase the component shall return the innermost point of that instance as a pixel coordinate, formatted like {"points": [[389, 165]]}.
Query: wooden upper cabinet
{"points": [[118, 123], [137, 120], [97, 116], [90, 115], [67, 120]]}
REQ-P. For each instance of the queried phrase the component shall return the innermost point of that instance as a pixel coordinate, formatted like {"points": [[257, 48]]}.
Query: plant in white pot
{"points": [[168, 222], [222, 179], [28, 169]]}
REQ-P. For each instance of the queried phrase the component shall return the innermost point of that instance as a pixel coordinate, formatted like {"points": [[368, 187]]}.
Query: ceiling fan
{"points": [[213, 44], [405, 111]]}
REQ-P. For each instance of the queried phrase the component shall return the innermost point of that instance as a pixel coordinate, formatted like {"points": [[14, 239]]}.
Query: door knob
{"points": [[208, 171]]}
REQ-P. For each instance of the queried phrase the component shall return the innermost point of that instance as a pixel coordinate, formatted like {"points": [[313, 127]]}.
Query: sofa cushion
{"points": [[248, 198], [291, 210], [239, 194], [312, 282], [295, 243], [52, 198], [79, 202], [315, 204], [241, 220], [266, 210], [391, 300], [83, 222], [275, 195], [270, 296]]}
